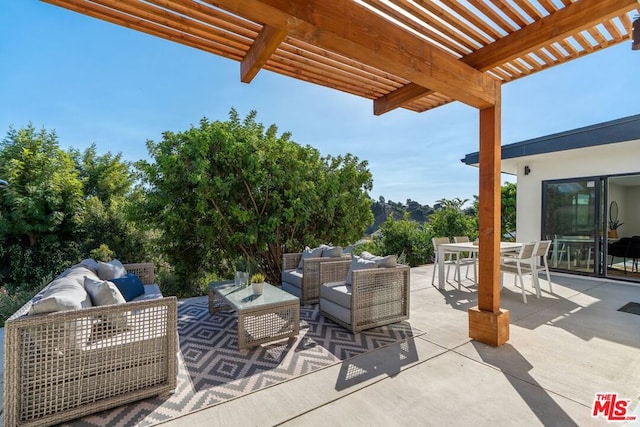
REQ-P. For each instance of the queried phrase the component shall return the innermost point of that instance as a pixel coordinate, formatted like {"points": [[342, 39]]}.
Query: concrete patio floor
{"points": [[564, 348]]}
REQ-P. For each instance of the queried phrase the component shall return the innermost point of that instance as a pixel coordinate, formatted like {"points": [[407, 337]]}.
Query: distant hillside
{"points": [[383, 208]]}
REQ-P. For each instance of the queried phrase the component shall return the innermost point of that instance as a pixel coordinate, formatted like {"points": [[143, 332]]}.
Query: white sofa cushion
{"points": [[150, 292], [293, 290], [293, 277], [335, 310], [64, 293], [337, 292]]}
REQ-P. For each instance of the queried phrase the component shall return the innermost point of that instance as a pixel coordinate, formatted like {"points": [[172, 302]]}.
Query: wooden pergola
{"points": [[413, 54]]}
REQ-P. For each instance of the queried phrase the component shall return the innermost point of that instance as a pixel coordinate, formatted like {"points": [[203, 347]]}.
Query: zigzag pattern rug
{"points": [[213, 370]]}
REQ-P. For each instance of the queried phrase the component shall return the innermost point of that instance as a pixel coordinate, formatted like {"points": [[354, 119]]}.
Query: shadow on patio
{"points": [[564, 348]]}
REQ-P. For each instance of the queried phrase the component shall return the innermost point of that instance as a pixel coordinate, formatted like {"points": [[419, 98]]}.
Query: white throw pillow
{"points": [[103, 292], [111, 270]]}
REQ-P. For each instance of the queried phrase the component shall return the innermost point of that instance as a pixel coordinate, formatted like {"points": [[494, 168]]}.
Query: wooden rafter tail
{"points": [[265, 44]]}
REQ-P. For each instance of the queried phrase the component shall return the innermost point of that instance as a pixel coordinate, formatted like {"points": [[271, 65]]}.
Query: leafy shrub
{"points": [[102, 253], [407, 238]]}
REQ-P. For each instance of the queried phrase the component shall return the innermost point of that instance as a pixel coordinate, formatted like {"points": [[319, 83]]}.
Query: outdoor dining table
{"points": [[457, 248]]}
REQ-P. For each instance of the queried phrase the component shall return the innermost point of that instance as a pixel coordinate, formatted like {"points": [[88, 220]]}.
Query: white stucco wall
{"points": [[632, 208], [607, 159], [618, 193]]}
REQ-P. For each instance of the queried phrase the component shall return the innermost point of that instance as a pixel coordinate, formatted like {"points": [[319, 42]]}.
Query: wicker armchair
{"points": [[376, 296], [305, 283], [64, 365]]}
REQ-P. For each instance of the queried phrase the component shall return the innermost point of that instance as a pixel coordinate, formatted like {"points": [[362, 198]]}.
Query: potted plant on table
{"points": [[613, 228], [257, 283]]}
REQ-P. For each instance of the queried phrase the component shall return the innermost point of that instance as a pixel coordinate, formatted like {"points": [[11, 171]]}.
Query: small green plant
{"points": [[257, 278], [102, 253], [614, 224]]}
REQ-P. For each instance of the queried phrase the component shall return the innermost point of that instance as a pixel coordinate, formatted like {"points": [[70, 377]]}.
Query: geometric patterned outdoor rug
{"points": [[212, 370]]}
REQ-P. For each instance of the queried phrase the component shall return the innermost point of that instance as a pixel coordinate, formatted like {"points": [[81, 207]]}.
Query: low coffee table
{"points": [[261, 318]]}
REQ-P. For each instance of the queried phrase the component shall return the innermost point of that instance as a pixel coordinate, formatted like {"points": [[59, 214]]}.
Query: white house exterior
{"points": [[588, 168]]}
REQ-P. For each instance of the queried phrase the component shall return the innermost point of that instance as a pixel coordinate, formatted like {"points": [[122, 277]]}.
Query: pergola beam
{"points": [[398, 98], [354, 31], [577, 16], [260, 51]]}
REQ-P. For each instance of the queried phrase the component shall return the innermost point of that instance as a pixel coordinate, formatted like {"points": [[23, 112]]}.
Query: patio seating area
{"points": [[564, 348]]}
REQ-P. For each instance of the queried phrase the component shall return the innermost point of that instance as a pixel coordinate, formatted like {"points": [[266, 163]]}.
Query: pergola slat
{"points": [[428, 33], [204, 25]]}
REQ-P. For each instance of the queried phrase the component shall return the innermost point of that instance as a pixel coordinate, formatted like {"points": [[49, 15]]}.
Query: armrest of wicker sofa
{"points": [[379, 296], [291, 260], [144, 270], [55, 358], [334, 271]]}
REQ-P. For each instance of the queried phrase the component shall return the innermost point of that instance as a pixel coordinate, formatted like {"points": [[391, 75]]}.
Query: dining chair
{"points": [[541, 261], [519, 264], [448, 258], [465, 258]]}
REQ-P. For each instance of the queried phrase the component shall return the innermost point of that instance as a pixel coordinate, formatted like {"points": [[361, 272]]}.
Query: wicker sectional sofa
{"points": [[66, 364]]}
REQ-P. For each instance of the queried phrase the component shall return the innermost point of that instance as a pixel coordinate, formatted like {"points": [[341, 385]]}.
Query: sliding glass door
{"points": [[623, 236], [594, 225], [571, 220]]}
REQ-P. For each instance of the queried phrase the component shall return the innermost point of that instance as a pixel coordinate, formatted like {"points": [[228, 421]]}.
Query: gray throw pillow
{"points": [[111, 270], [310, 253], [332, 251], [358, 263], [389, 261], [368, 255], [92, 264]]}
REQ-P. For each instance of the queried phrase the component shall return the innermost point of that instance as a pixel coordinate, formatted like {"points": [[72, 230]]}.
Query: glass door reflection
{"points": [[570, 221]]}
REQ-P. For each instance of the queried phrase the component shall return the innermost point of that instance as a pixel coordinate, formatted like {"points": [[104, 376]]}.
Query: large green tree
{"points": [[228, 189], [507, 210], [449, 220], [45, 192], [107, 177], [59, 206], [107, 181]]}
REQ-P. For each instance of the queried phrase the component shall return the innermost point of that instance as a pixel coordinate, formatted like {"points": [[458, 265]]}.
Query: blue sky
{"points": [[95, 82]]}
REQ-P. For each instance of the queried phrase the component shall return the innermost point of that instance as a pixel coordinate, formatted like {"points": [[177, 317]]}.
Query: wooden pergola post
{"points": [[487, 322]]}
